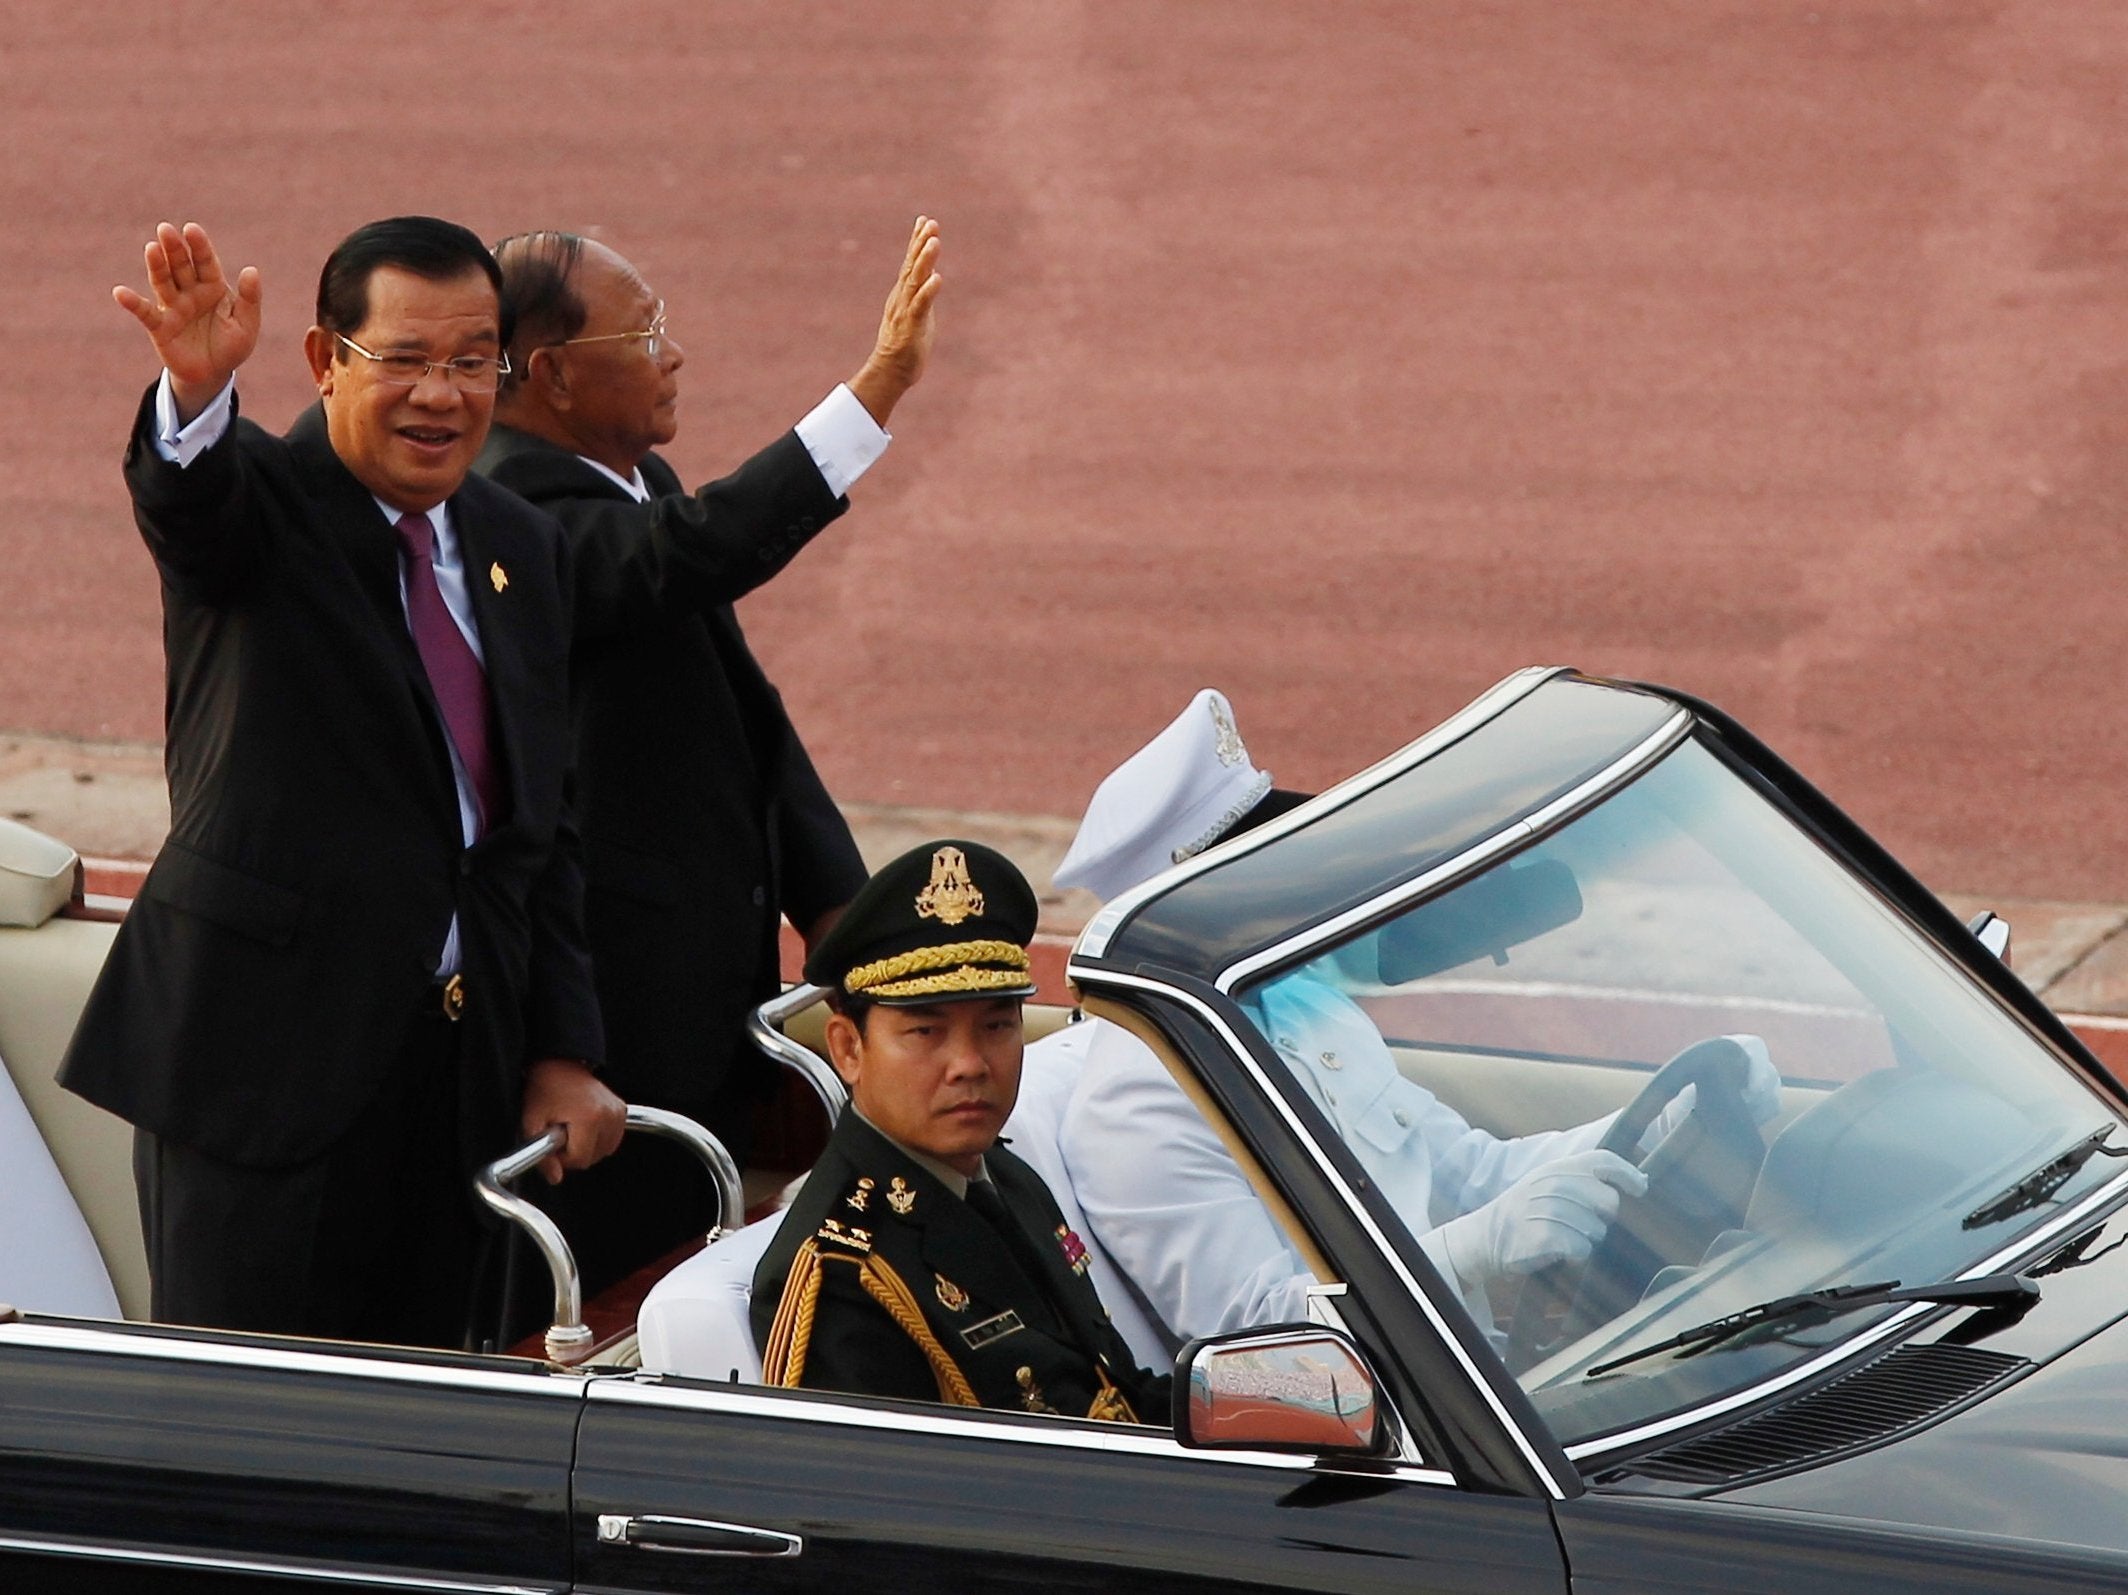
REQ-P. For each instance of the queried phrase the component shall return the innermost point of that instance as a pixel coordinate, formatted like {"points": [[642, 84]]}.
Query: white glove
{"points": [[1762, 1094], [1555, 1214]]}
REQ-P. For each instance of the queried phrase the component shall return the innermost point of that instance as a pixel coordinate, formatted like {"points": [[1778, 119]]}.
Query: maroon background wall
{"points": [[1343, 356]]}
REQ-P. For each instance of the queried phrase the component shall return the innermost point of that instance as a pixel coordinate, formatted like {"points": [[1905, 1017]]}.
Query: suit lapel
{"points": [[363, 537], [956, 1245]]}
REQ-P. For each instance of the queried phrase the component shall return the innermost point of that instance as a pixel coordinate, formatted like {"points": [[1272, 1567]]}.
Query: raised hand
{"points": [[906, 327], [202, 327]]}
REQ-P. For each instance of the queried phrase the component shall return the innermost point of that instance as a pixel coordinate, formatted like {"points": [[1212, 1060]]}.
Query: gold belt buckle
{"points": [[454, 998]]}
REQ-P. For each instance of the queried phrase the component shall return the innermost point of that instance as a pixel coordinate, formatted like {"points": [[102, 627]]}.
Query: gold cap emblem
{"points": [[499, 576], [950, 896], [1226, 735]]}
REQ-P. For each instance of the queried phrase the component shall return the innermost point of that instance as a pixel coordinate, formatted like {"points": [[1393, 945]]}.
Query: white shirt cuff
{"points": [[184, 444], [842, 438]]}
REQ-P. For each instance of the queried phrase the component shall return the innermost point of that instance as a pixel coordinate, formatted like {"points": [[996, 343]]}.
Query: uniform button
{"points": [[1403, 1117], [1285, 1043], [1330, 1061], [760, 896]]}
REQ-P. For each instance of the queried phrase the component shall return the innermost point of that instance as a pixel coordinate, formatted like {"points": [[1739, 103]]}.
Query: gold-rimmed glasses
{"points": [[468, 373], [653, 336]]}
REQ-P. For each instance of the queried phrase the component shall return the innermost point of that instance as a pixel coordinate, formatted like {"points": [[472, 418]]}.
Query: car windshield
{"points": [[1859, 1112]]}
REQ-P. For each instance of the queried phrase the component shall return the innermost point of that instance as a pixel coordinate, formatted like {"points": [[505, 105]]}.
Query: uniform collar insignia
{"points": [[950, 896], [900, 1197]]}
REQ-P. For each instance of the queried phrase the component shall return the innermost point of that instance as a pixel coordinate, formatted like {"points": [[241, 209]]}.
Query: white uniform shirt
{"points": [[1176, 1213]]}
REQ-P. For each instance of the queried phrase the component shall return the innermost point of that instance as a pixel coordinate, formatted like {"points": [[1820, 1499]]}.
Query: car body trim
{"points": [[1496, 699], [1518, 834], [536, 1380], [1530, 1452], [255, 1566], [649, 1389]]}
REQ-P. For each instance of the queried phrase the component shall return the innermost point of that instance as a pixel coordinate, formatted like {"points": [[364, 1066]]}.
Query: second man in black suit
{"points": [[704, 821]]}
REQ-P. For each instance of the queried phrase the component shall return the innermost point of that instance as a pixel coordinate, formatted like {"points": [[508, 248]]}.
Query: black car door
{"points": [[173, 1460], [685, 1485]]}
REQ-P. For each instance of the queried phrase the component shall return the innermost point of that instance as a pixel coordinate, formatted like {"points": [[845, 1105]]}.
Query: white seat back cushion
{"points": [[695, 1320], [48, 1259]]}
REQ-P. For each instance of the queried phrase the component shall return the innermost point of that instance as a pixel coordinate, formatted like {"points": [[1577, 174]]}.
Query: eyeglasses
{"points": [[468, 373], [653, 336]]}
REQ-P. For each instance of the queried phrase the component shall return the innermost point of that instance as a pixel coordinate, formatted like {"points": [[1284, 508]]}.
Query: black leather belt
{"points": [[445, 1000]]}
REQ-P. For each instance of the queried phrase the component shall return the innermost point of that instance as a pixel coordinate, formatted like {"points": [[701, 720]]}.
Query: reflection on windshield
{"points": [[1667, 1064]]}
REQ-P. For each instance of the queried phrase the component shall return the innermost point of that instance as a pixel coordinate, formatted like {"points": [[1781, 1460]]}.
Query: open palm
{"points": [[201, 325]]}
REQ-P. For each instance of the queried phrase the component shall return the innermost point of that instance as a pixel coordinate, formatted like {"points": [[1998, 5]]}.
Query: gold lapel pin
{"points": [[499, 576]]}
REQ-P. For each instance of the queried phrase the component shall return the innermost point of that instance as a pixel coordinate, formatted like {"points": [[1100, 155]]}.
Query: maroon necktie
{"points": [[455, 676]]}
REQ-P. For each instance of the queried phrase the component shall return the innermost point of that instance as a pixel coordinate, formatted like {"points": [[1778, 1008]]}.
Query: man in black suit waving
{"points": [[357, 967], [703, 818]]}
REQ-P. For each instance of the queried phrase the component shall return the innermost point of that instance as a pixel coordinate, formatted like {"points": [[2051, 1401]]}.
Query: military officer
{"points": [[922, 1259]]}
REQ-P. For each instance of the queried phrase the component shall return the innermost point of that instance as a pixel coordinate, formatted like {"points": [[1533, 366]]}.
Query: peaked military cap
{"points": [[945, 922], [1191, 786]]}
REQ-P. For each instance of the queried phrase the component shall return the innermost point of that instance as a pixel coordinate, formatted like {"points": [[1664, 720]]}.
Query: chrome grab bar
{"points": [[568, 1338], [764, 1029]]}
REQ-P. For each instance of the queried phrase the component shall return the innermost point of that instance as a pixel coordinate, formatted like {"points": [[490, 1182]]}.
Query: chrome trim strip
{"points": [[1502, 695], [269, 1566], [1636, 759], [536, 1380], [2068, 1220], [1554, 1486], [744, 1401]]}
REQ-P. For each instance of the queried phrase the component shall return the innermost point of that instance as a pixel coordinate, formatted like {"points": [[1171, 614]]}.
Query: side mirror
{"points": [[1993, 931], [1291, 1387]]}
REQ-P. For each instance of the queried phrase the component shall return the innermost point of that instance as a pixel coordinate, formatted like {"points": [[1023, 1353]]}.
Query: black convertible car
{"points": [[1873, 1342]]}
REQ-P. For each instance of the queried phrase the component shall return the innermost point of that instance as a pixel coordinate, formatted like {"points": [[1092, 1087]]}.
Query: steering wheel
{"points": [[1699, 1180]]}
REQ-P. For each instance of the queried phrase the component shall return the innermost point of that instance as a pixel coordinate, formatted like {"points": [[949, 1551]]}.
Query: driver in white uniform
{"points": [[1166, 1200]]}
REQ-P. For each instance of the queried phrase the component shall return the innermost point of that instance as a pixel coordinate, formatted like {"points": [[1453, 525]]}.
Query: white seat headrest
{"points": [[36, 875]]}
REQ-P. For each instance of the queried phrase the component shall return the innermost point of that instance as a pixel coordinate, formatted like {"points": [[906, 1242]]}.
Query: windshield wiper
{"points": [[1814, 1307], [2043, 1181]]}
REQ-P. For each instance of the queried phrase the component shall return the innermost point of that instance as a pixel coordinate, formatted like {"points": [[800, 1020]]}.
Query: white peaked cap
{"points": [[1171, 799]]}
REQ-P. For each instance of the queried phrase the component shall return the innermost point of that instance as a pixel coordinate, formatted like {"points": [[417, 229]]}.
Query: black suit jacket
{"points": [[1022, 1324], [703, 818], [264, 979]]}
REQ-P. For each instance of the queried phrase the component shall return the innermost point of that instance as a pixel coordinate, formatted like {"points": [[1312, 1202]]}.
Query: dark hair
{"points": [[853, 1008], [539, 285], [424, 245]]}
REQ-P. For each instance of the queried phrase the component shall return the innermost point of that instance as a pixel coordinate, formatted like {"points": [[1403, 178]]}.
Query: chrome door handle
{"points": [[694, 1536]]}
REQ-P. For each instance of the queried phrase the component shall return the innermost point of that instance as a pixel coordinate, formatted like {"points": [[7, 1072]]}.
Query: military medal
{"points": [[900, 1197], [1074, 1249], [1031, 1396], [951, 1296]]}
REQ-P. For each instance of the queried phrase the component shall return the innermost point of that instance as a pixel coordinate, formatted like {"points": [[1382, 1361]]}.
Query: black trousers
{"points": [[381, 1239]]}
